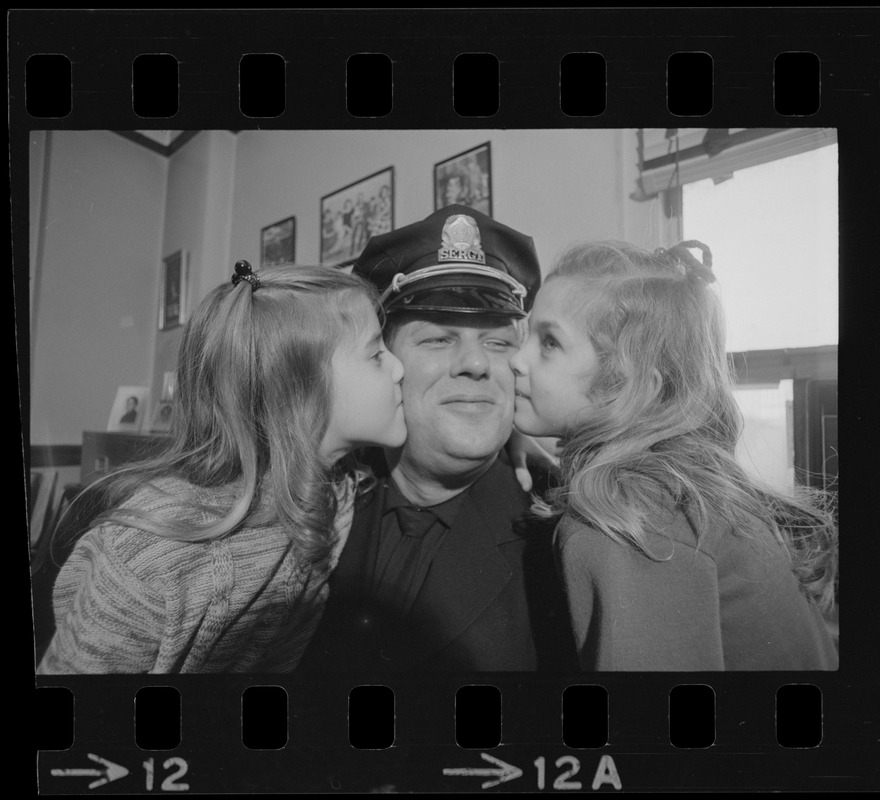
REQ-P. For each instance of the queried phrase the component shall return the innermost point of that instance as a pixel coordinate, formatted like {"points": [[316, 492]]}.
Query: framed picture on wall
{"points": [[129, 409], [351, 215], [465, 179], [172, 301], [278, 243]]}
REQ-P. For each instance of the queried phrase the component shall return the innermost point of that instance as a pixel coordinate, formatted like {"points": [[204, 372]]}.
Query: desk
{"points": [[103, 451]]}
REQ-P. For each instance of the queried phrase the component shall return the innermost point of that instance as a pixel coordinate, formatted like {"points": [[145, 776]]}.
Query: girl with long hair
{"points": [[215, 555], [673, 557]]}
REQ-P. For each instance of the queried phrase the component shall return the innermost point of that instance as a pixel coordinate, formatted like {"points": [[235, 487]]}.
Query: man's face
{"points": [[457, 389]]}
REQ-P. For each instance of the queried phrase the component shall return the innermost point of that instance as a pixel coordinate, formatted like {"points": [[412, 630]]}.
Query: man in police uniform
{"points": [[443, 570]]}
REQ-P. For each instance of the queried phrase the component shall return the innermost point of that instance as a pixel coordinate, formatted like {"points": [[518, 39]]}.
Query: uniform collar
{"points": [[446, 511]]}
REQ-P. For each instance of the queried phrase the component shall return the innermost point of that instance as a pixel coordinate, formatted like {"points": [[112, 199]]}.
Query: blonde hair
{"points": [[664, 422], [253, 399]]}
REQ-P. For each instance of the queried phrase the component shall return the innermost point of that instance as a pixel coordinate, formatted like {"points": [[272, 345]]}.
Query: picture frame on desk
{"points": [[161, 422], [129, 409], [169, 385]]}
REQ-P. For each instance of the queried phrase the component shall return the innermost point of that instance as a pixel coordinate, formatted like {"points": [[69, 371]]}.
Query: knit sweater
{"points": [[129, 601], [729, 602]]}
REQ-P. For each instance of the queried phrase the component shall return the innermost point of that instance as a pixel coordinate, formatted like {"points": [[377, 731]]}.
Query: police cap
{"points": [[456, 260]]}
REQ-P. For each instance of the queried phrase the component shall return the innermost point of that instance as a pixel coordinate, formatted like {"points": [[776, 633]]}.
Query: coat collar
{"points": [[470, 570], [468, 573], [497, 489]]}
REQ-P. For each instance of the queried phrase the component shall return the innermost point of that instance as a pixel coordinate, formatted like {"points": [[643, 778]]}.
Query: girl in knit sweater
{"points": [[673, 558], [215, 555]]}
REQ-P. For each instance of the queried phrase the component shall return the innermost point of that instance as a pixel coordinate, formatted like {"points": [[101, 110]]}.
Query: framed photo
{"points": [[351, 215], [161, 422], [172, 302], [465, 179], [169, 384], [129, 409], [278, 243]]}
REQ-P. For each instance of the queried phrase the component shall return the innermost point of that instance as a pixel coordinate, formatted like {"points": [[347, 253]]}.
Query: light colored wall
{"points": [[198, 206], [95, 313], [555, 185], [107, 210]]}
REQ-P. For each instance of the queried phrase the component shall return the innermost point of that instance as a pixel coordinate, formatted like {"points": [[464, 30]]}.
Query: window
{"points": [[773, 232], [766, 447], [772, 229]]}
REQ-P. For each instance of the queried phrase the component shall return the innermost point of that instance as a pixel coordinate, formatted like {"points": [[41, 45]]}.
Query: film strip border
{"points": [[442, 734], [437, 68], [636, 48], [795, 88], [583, 711]]}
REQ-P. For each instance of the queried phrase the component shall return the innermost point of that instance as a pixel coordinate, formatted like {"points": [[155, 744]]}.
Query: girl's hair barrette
{"points": [[244, 272], [680, 255]]}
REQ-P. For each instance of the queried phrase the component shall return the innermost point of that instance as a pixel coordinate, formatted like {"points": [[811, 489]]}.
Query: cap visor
{"points": [[456, 299]]}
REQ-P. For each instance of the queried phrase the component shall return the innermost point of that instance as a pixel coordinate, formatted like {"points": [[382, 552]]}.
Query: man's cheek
{"points": [[504, 375]]}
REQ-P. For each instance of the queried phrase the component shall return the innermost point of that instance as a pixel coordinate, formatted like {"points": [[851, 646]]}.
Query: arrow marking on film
{"points": [[111, 772], [501, 773]]}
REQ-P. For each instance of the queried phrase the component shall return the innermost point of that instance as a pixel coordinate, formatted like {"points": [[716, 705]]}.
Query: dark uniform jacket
{"points": [[492, 600]]}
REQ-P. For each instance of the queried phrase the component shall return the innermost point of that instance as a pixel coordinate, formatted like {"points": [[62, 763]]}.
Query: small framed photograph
{"points": [[465, 179], [169, 384], [129, 409], [278, 243], [351, 215], [172, 302], [161, 422]]}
